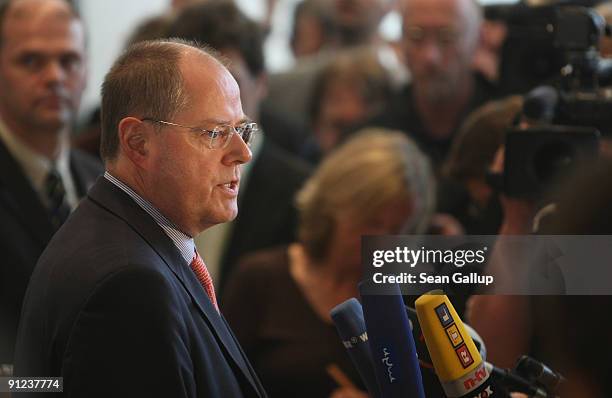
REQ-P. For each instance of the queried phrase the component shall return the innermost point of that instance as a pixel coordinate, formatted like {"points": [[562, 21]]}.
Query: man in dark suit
{"points": [[42, 77], [120, 303]]}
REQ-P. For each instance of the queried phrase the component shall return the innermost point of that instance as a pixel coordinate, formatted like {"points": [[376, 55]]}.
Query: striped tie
{"points": [[201, 272], [56, 195]]}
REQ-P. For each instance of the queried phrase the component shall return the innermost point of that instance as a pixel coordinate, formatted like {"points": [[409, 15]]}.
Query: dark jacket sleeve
{"points": [[131, 335]]}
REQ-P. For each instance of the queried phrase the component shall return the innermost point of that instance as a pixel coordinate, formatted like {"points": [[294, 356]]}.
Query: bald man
{"points": [[42, 77], [440, 38], [121, 303]]}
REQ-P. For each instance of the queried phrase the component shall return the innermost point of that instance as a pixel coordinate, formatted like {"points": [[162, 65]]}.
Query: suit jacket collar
{"points": [[110, 197]]}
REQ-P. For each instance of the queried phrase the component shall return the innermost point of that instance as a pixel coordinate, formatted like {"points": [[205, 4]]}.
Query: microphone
{"points": [[348, 318], [391, 342], [457, 362]]}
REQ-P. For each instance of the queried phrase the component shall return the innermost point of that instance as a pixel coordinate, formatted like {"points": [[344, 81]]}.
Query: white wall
{"points": [[109, 23]]}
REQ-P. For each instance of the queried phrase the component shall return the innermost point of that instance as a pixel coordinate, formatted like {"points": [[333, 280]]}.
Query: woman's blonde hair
{"points": [[371, 170]]}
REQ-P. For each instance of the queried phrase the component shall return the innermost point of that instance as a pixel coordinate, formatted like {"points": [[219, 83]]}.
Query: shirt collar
{"points": [[35, 166], [183, 242]]}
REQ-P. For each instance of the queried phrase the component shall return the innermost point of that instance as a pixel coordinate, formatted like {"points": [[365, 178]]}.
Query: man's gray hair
{"points": [[145, 81]]}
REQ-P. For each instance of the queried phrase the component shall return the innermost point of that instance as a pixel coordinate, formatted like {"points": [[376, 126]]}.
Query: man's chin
{"points": [[51, 123], [439, 93], [230, 215]]}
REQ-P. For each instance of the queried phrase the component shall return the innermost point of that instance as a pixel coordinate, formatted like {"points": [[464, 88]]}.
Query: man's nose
{"points": [[54, 72], [431, 52], [237, 151]]}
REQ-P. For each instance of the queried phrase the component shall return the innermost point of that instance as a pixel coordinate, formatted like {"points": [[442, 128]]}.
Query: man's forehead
{"points": [[38, 19], [441, 10], [200, 68], [207, 80], [39, 10]]}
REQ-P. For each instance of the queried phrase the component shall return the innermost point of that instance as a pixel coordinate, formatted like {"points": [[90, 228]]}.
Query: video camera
{"points": [[555, 45]]}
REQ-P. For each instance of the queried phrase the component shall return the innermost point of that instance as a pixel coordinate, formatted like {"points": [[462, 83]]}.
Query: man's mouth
{"points": [[231, 187]]}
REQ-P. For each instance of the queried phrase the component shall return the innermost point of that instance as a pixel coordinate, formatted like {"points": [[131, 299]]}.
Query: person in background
{"points": [[605, 43], [440, 39], [468, 196], [357, 22], [354, 24], [538, 325], [488, 55], [346, 93], [268, 217], [312, 28], [279, 300], [42, 77]]}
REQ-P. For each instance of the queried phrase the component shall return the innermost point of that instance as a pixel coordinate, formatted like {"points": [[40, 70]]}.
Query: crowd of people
{"points": [[196, 232]]}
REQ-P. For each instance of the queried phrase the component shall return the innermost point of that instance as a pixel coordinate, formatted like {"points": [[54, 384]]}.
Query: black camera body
{"points": [[542, 41], [566, 118], [536, 158]]}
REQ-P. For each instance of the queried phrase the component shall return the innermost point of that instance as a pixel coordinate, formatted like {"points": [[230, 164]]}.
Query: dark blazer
{"points": [[114, 309], [267, 216], [25, 230]]}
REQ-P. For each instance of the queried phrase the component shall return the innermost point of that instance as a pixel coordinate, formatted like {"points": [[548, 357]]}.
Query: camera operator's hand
{"points": [[518, 212], [503, 321]]}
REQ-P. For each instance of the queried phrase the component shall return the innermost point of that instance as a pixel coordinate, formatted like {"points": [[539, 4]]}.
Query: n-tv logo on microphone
{"points": [[476, 379]]}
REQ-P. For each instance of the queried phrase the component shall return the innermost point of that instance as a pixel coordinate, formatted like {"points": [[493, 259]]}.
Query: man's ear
{"points": [[134, 140]]}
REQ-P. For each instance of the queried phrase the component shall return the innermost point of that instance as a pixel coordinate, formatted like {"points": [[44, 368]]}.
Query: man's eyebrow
{"points": [[218, 122]]}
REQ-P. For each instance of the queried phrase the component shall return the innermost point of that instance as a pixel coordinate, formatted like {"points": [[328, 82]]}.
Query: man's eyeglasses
{"points": [[220, 136], [443, 37]]}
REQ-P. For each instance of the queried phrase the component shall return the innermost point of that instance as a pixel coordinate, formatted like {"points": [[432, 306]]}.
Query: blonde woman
{"points": [[279, 300]]}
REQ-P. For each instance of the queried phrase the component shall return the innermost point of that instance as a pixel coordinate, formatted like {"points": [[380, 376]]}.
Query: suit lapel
{"points": [[119, 203], [17, 193]]}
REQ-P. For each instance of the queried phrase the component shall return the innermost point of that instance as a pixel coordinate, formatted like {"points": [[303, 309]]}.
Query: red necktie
{"points": [[201, 272]]}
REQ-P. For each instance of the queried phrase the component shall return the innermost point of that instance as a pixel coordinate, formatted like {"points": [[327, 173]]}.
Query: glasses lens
{"points": [[246, 132], [218, 136], [224, 134]]}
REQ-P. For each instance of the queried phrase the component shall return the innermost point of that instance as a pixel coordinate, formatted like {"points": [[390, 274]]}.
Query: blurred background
{"points": [[109, 30]]}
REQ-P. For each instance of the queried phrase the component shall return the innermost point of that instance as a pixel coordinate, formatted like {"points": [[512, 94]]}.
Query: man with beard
{"points": [[440, 38]]}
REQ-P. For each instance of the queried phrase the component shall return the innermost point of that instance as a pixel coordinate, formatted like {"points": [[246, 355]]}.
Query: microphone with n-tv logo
{"points": [[457, 362], [348, 318]]}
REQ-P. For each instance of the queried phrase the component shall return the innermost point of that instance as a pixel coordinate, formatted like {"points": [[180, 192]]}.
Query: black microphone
{"points": [[348, 318], [515, 383]]}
